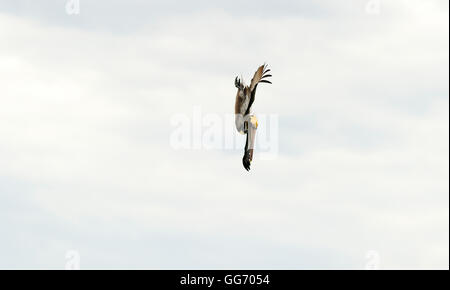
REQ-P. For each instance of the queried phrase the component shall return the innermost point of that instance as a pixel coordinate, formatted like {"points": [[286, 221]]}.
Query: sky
{"points": [[89, 103]]}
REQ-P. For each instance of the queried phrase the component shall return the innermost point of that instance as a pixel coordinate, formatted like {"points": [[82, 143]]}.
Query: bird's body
{"points": [[245, 122]]}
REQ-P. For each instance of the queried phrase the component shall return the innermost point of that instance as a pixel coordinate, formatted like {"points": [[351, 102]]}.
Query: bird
{"points": [[245, 122]]}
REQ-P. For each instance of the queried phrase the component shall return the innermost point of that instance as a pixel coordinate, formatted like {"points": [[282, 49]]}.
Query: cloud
{"points": [[363, 162]]}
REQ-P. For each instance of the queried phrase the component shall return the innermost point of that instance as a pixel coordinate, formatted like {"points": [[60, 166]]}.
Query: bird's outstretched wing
{"points": [[260, 74], [259, 77]]}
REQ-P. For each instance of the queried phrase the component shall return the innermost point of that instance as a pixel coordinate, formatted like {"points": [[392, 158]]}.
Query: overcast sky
{"points": [[360, 91]]}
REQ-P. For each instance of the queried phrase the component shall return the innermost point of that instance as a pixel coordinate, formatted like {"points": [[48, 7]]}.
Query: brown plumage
{"points": [[248, 92]]}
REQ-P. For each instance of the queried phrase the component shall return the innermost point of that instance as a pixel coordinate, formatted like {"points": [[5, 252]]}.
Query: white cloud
{"points": [[363, 163]]}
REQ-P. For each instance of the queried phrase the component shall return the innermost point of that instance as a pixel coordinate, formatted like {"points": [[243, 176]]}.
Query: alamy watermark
{"points": [[373, 260], [213, 131], [72, 260], [73, 7], [373, 7]]}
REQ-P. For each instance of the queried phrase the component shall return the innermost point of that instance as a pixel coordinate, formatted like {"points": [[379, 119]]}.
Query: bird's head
{"points": [[247, 159]]}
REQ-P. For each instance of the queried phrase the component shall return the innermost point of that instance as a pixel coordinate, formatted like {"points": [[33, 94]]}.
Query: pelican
{"points": [[245, 122]]}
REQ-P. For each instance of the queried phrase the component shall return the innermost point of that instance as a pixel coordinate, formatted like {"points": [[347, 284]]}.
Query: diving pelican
{"points": [[245, 122]]}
